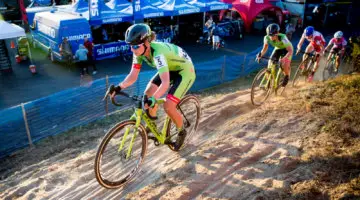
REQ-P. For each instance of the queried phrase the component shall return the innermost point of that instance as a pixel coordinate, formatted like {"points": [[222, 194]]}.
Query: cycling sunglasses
{"points": [[135, 47]]}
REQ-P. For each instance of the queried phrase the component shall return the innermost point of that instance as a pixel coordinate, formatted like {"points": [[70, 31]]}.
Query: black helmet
{"points": [[137, 34], [272, 29]]}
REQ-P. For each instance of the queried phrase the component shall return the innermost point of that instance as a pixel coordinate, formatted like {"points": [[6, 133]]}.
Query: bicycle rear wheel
{"points": [[115, 166], [328, 71], [261, 87], [189, 108]]}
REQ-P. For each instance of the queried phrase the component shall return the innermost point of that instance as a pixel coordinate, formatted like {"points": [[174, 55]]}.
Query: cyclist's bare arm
{"points": [[329, 45], [289, 52], [264, 49], [131, 77], [300, 42], [164, 86]]}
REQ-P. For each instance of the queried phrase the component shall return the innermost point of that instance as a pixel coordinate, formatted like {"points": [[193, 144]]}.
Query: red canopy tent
{"points": [[249, 9]]}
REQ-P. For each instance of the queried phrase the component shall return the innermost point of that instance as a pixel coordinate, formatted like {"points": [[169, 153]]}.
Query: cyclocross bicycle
{"points": [[266, 81], [123, 148], [330, 67], [305, 67]]}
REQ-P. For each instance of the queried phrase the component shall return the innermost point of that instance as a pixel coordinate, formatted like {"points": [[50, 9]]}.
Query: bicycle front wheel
{"points": [[299, 72], [120, 154], [189, 108], [279, 88], [261, 87]]}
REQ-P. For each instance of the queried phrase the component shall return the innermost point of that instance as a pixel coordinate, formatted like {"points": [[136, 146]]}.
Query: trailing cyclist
{"points": [[283, 48], [174, 67], [317, 43], [339, 43]]}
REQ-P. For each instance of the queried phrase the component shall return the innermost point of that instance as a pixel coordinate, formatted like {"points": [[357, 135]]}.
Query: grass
{"points": [[335, 154]]}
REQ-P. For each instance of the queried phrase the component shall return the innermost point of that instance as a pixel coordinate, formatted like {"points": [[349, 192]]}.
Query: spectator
{"points": [[89, 46], [209, 22], [210, 26], [66, 50], [290, 29], [215, 37], [104, 35], [81, 57]]}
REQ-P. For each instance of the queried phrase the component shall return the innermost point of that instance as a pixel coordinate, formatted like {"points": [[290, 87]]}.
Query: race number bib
{"points": [[183, 54], [160, 61]]}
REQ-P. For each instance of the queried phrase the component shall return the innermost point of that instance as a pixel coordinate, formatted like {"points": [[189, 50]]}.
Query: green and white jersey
{"points": [[166, 57], [283, 42]]}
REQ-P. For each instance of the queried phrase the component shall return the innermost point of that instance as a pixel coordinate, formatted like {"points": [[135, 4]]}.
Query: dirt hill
{"points": [[303, 146]]}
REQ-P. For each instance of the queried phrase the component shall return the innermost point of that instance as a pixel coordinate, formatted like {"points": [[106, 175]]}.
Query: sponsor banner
{"points": [[220, 7], [78, 37], [111, 50], [188, 11], [46, 30], [94, 10]]}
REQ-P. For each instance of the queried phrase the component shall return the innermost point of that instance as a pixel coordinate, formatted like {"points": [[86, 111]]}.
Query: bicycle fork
{"points": [[136, 116], [267, 78], [277, 77]]}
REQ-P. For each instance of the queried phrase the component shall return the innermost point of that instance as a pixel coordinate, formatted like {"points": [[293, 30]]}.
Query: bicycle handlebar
{"points": [[268, 58], [303, 52], [121, 93]]}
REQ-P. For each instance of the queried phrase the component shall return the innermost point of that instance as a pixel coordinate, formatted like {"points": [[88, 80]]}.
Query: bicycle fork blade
{"points": [[264, 84], [127, 130], [122, 144], [131, 144]]}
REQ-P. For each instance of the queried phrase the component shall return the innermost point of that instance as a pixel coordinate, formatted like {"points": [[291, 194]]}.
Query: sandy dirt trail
{"points": [[238, 153]]}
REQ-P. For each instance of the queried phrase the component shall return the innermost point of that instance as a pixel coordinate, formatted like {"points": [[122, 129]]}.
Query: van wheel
{"points": [[51, 56]]}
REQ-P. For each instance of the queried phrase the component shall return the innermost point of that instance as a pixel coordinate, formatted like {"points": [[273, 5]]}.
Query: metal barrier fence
{"points": [[25, 124]]}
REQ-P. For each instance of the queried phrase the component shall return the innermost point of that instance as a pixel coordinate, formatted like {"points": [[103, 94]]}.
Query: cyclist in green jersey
{"points": [[175, 74], [283, 48]]}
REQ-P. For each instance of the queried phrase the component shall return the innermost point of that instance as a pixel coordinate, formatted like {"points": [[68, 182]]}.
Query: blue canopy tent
{"points": [[212, 5], [153, 8], [111, 12], [183, 7]]}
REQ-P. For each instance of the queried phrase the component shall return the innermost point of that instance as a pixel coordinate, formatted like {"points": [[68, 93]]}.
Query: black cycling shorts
{"points": [[277, 53]]}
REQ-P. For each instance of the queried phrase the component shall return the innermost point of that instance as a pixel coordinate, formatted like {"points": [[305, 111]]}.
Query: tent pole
{"points": [[30, 56], [326, 14], [204, 15]]}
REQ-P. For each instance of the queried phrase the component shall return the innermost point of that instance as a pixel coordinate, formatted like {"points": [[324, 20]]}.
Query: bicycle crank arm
{"points": [[168, 139]]}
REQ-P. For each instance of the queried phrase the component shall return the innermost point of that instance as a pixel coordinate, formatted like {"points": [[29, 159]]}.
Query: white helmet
{"points": [[338, 34]]}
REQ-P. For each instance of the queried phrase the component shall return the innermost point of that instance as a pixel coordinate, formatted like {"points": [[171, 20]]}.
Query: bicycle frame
{"points": [[273, 74], [333, 58], [310, 57], [138, 116]]}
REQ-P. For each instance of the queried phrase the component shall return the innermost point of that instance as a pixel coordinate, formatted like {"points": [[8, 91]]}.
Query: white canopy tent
{"points": [[10, 30]]}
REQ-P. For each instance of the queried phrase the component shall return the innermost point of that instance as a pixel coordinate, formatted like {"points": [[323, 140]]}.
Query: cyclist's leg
{"points": [[181, 84], [274, 56], [285, 64], [286, 68], [338, 57], [151, 88], [309, 49], [316, 65]]}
